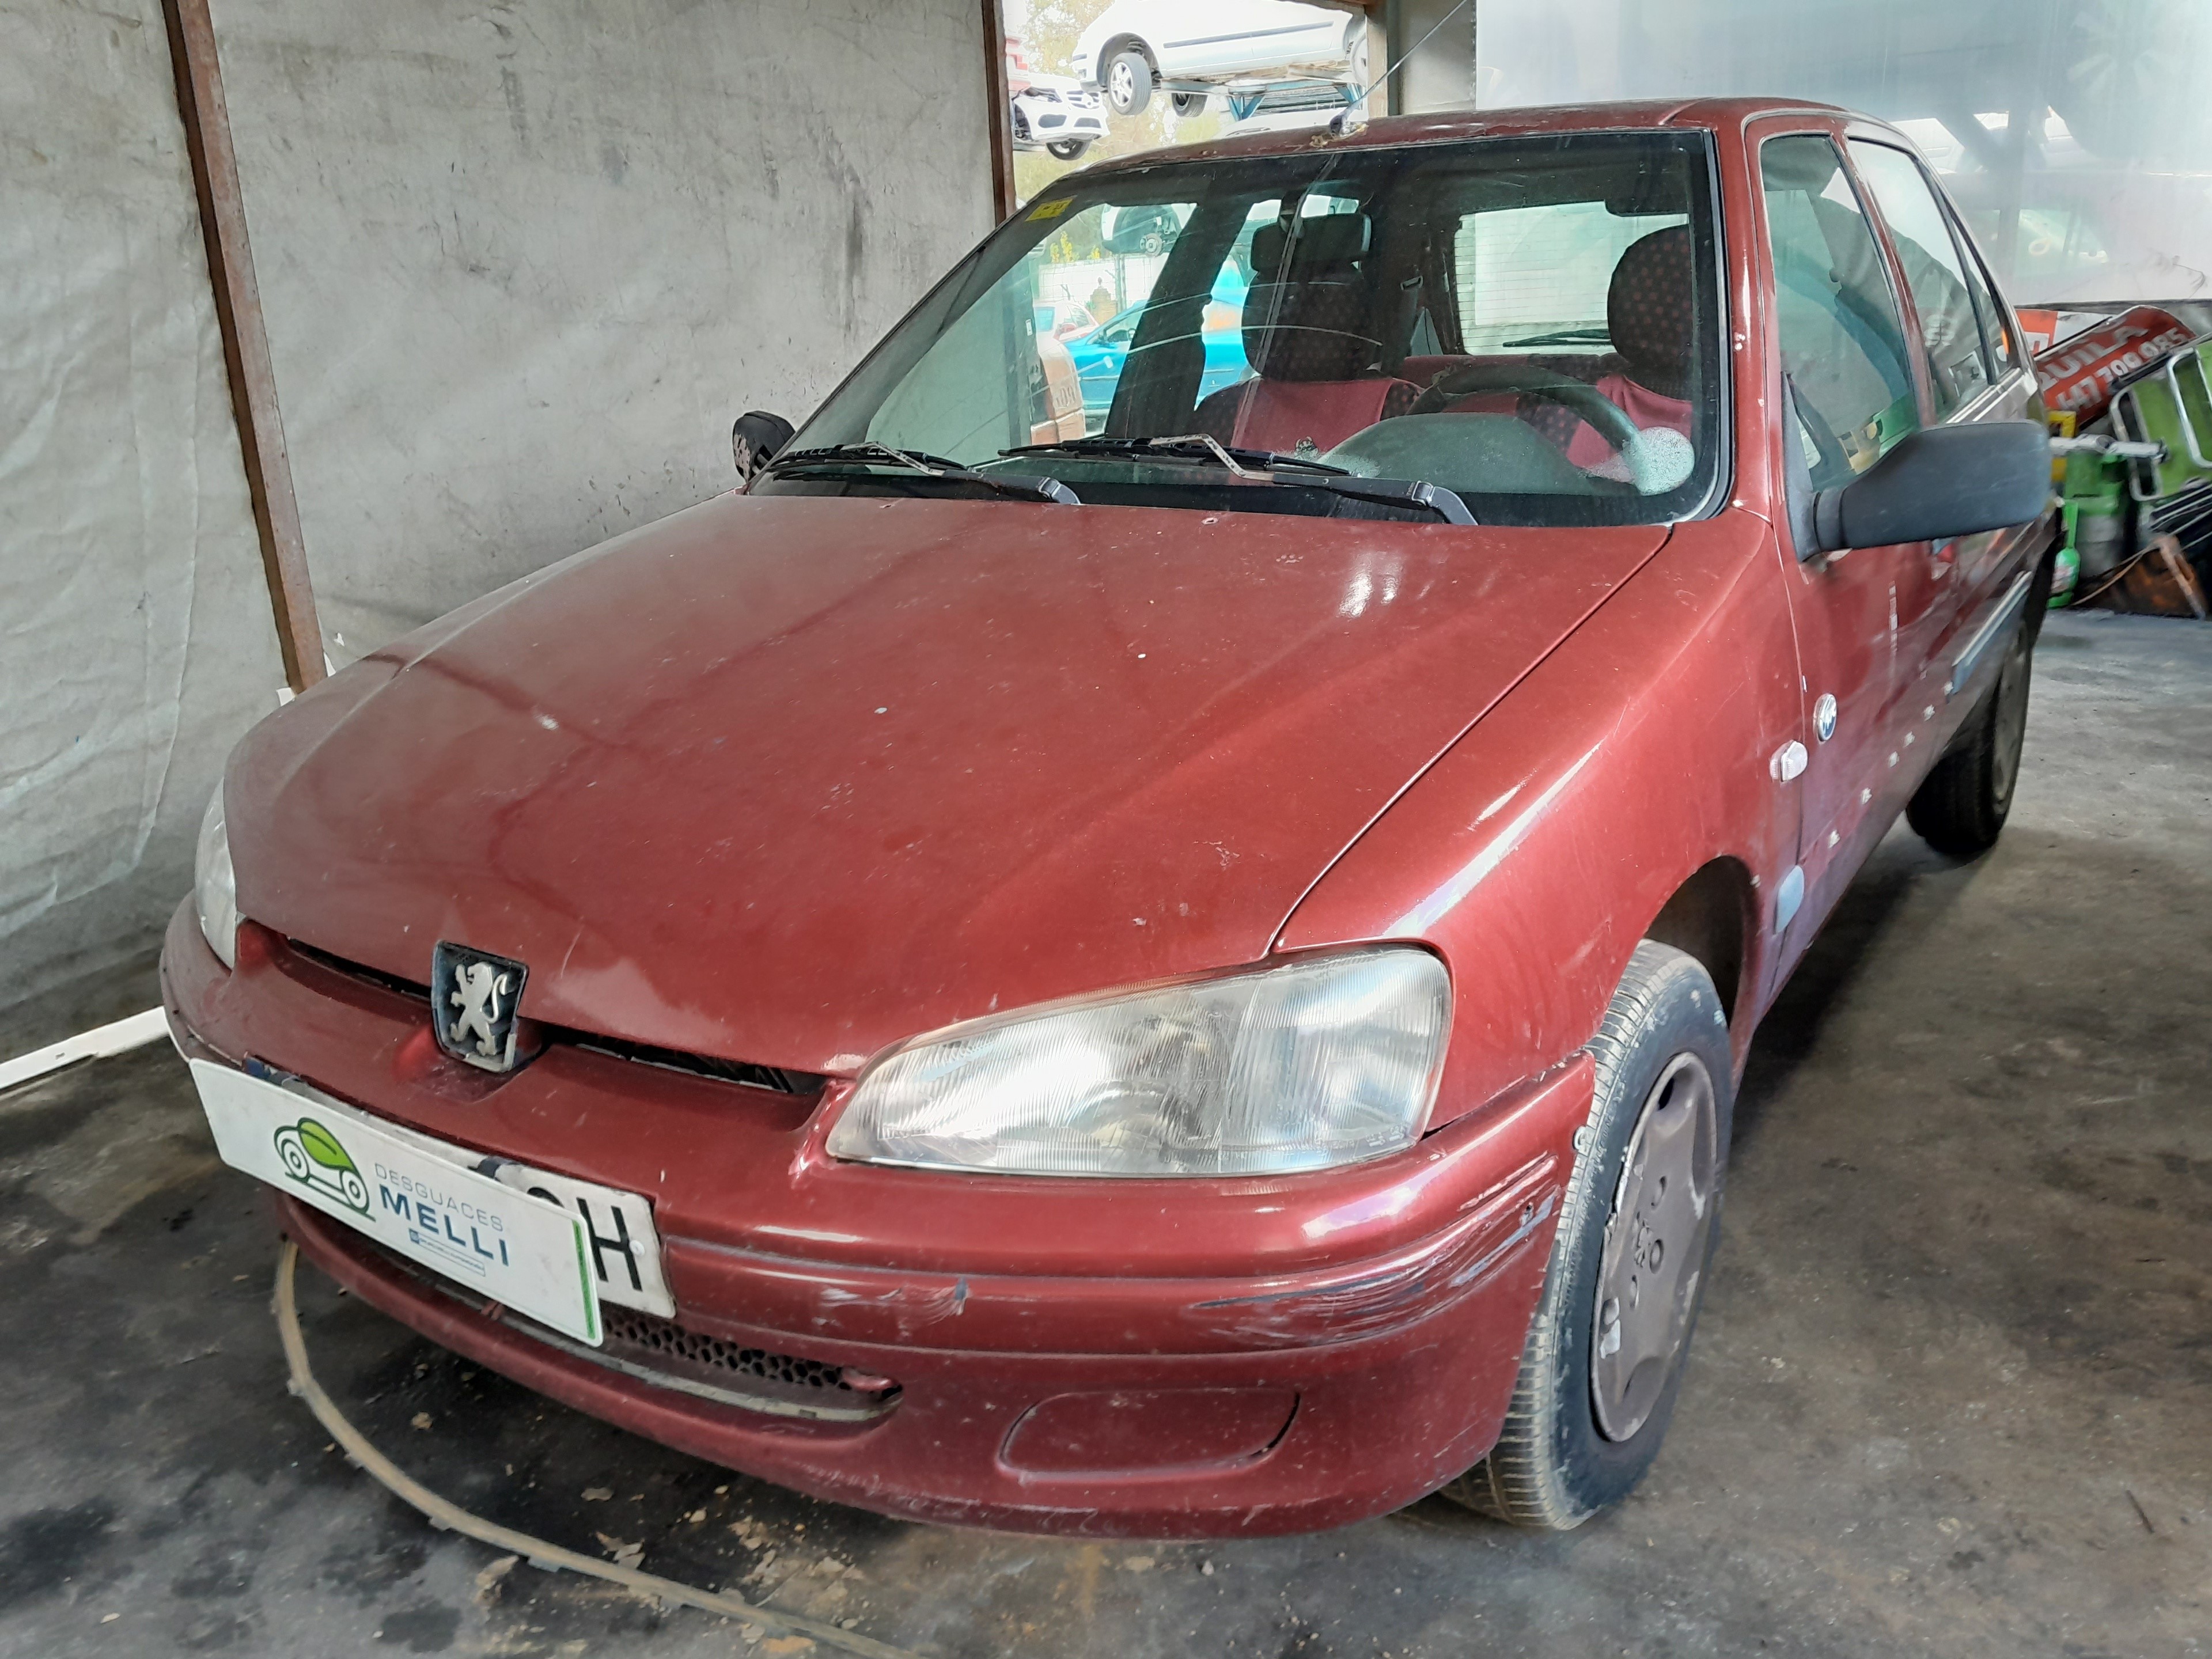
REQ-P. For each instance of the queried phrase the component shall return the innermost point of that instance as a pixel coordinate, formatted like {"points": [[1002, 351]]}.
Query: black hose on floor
{"points": [[552, 1557]]}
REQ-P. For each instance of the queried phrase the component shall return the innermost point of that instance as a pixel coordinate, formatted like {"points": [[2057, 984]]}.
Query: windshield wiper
{"points": [[1563, 337], [852, 457], [1190, 446], [1261, 464]]}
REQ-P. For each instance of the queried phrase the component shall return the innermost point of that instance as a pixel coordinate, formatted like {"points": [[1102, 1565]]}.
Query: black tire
{"points": [[1962, 805], [1127, 93], [1555, 1465], [1068, 149], [1188, 103]]}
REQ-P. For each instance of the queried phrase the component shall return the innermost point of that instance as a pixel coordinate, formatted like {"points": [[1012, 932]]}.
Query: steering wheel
{"points": [[1577, 397]]}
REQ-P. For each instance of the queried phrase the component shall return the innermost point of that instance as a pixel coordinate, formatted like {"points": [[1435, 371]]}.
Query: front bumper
{"points": [[1157, 1358]]}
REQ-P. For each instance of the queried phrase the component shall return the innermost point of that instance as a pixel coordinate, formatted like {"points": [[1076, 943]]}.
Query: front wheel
{"points": [[1606, 1350], [1068, 149], [1128, 83], [1962, 805]]}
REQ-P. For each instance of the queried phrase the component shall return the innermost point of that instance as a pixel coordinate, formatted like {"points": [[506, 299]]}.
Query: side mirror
{"points": [[1940, 481], [754, 439]]}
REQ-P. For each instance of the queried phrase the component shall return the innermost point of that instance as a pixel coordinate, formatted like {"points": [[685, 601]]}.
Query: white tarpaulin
{"points": [[135, 643]]}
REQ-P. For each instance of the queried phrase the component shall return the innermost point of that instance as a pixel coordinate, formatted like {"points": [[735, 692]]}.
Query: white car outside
{"points": [[1057, 114], [1191, 51]]}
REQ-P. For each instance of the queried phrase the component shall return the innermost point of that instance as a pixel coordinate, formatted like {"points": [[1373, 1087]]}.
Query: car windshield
{"points": [[1525, 326]]}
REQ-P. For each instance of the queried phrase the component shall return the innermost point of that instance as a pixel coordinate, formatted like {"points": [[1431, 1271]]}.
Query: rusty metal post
{"points": [[994, 89], [244, 343]]}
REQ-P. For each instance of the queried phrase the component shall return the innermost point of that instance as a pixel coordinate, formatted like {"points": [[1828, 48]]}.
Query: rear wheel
{"points": [[1188, 103], [1962, 805], [1604, 1359], [1128, 83]]}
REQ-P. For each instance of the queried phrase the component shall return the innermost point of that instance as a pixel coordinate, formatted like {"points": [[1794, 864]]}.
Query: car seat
{"points": [[1651, 311], [1308, 335]]}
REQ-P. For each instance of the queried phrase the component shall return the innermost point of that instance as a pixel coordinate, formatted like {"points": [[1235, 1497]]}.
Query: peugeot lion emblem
{"points": [[473, 999]]}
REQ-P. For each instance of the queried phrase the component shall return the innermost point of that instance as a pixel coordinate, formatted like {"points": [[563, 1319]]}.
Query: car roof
{"points": [[1712, 114]]}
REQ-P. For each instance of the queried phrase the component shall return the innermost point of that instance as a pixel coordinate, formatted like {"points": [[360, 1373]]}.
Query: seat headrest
{"points": [[1325, 242], [1650, 311], [1311, 320]]}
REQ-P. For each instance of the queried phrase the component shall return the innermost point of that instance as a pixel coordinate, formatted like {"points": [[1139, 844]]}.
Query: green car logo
{"points": [[312, 1155]]}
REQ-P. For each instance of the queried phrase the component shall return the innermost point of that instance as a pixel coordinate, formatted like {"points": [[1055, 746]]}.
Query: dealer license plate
{"points": [[519, 1237]]}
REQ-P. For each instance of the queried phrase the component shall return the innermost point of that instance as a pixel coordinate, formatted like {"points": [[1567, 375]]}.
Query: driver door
{"points": [[1862, 616]]}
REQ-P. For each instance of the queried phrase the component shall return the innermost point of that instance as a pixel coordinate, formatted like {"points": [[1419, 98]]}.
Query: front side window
{"points": [[1957, 358], [1531, 326], [1837, 324]]}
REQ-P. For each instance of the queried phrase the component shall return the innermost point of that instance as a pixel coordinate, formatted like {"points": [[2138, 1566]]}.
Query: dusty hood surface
{"points": [[787, 779]]}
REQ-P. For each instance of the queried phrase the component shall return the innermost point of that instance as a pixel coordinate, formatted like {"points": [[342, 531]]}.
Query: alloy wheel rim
{"points": [[1654, 1248], [1124, 87]]}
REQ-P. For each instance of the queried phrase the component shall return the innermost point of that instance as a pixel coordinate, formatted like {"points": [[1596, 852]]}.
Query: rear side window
{"points": [[1935, 270], [1841, 339]]}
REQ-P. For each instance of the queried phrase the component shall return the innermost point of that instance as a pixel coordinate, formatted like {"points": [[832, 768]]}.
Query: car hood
{"points": [[785, 778]]}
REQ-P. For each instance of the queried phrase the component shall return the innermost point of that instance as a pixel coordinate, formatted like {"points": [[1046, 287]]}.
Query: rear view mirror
{"points": [[755, 439], [1941, 481]]}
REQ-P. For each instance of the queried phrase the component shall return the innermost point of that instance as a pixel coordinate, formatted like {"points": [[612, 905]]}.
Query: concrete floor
{"points": [[1949, 1398]]}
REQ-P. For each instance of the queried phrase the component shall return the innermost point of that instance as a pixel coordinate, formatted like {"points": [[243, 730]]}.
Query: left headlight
{"points": [[214, 887], [1302, 1066]]}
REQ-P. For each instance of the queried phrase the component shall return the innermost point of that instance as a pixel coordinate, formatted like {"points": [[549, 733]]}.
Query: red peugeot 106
{"points": [[1188, 979]]}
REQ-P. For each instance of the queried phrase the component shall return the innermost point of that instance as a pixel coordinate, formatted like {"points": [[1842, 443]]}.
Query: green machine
{"points": [[2151, 476], [2116, 492]]}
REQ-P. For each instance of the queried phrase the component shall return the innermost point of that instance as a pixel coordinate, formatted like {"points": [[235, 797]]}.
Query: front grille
{"points": [[628, 1329], [661, 1352], [774, 1079], [383, 981]]}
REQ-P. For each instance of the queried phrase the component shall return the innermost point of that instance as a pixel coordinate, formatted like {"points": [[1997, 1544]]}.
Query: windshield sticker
{"points": [[1051, 210]]}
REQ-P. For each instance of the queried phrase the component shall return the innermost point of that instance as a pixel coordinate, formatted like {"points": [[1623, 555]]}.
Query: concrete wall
{"points": [[135, 636], [523, 264]]}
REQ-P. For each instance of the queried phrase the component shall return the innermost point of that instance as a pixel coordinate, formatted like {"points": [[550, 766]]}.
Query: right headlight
{"points": [[1305, 1064], [214, 885]]}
